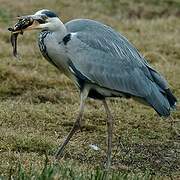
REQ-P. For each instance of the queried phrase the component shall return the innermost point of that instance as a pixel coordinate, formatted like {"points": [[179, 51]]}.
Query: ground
{"points": [[38, 104]]}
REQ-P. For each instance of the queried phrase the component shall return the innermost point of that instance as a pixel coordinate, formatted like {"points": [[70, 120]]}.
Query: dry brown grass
{"points": [[39, 104]]}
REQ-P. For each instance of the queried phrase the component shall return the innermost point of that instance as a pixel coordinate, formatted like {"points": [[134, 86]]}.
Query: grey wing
{"points": [[107, 59]]}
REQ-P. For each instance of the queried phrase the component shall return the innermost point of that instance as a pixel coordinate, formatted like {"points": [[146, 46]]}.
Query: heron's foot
{"points": [[59, 154], [107, 164], [81, 125]]}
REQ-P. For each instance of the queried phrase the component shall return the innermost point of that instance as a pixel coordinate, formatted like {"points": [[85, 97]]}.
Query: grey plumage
{"points": [[107, 61]]}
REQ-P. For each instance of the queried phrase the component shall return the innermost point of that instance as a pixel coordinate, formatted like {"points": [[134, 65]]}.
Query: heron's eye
{"points": [[41, 21]]}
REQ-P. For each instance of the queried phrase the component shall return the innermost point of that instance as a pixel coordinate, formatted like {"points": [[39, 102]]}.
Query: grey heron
{"points": [[102, 63]]}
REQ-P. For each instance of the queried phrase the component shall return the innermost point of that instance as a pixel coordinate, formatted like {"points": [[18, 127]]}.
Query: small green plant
{"points": [[71, 172]]}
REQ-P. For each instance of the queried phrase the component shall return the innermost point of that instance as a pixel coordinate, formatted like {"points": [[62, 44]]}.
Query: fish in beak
{"points": [[24, 23]]}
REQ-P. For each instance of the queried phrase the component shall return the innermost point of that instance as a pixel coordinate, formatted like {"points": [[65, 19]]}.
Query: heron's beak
{"points": [[35, 25], [26, 23]]}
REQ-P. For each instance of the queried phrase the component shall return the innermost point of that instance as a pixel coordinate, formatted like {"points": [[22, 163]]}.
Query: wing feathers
{"points": [[107, 58]]}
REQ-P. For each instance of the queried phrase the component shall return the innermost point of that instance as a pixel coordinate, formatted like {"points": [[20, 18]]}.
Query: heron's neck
{"points": [[60, 30]]}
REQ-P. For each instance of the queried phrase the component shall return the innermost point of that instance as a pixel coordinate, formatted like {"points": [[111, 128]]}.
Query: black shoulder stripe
{"points": [[66, 39]]}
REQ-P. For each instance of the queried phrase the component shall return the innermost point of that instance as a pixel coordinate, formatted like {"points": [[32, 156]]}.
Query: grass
{"points": [[38, 104], [71, 171]]}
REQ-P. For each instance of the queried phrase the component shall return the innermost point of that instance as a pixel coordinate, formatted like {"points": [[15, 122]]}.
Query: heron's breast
{"points": [[53, 52]]}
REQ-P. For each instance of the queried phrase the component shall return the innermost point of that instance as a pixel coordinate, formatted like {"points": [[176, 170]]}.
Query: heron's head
{"points": [[42, 20]]}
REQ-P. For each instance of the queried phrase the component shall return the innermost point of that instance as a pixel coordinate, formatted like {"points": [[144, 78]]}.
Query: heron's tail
{"points": [[162, 102], [161, 98], [171, 98]]}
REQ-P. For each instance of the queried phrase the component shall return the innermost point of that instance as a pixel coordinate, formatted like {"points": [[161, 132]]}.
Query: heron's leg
{"points": [[109, 130], [76, 126]]}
